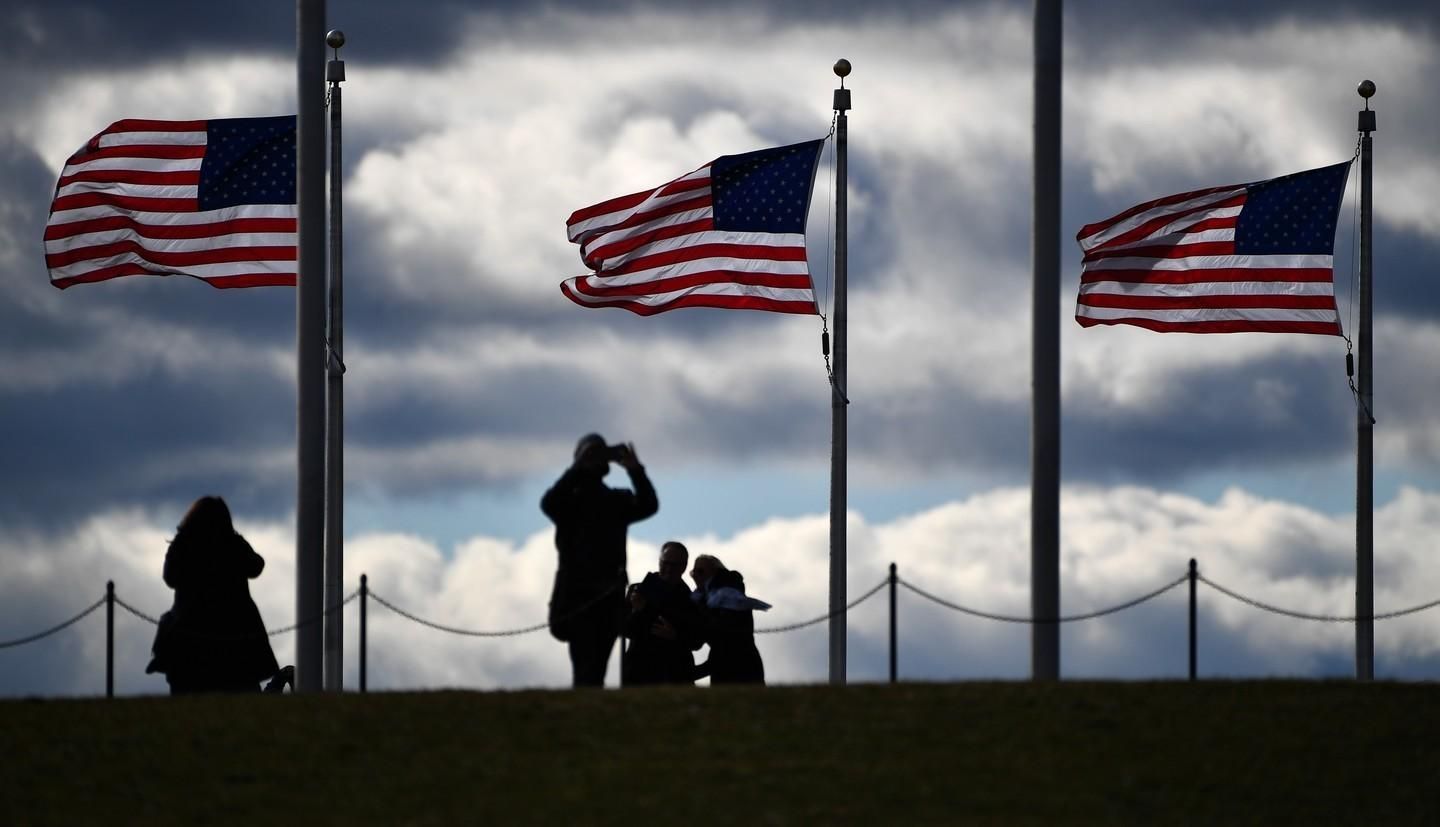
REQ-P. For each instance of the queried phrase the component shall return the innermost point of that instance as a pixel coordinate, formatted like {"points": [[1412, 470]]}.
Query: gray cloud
{"points": [[1282, 410], [469, 372]]}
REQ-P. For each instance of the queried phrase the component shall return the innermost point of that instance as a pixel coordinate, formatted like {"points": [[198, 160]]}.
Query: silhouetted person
{"points": [[729, 623], [664, 625], [587, 604], [212, 639]]}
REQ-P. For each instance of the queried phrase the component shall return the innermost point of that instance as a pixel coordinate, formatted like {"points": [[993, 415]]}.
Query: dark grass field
{"points": [[1262, 752]]}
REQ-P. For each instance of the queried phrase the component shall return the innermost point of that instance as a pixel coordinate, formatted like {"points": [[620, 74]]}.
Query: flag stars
{"points": [[248, 161], [764, 191]]}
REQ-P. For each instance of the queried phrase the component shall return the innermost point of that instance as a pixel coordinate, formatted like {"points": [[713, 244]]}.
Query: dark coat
{"points": [[213, 637], [731, 635], [650, 659], [591, 521]]}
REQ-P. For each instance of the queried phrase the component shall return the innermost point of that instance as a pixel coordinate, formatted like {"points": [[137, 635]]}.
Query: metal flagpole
{"points": [[335, 395], [1045, 350], [838, 396], [1365, 422], [310, 341]]}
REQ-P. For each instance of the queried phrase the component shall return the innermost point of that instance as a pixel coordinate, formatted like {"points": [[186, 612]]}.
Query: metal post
{"points": [[110, 639], [1193, 577], [1045, 350], [893, 581], [839, 395], [364, 595], [1365, 422], [310, 343], [334, 622]]}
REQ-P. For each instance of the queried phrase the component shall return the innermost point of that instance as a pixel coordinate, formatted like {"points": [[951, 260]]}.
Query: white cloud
{"points": [[1117, 544], [1276, 99], [201, 86]]}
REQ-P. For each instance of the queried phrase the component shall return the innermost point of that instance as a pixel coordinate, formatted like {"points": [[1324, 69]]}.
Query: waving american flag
{"points": [[731, 235], [1249, 257], [210, 199]]}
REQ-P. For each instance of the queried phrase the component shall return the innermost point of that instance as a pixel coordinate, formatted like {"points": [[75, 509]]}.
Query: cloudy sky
{"points": [[473, 130]]}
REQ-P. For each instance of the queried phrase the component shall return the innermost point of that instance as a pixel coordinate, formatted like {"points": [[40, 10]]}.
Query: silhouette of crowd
{"points": [[213, 639], [662, 620]]}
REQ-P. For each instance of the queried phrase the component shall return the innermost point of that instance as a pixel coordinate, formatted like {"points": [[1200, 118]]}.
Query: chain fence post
{"points": [[893, 581], [110, 638], [1193, 574], [364, 593]]}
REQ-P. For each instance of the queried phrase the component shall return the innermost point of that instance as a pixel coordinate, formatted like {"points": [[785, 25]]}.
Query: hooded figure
{"points": [[729, 622], [212, 639]]}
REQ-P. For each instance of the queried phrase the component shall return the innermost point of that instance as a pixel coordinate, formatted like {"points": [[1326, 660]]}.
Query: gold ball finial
{"points": [[1366, 89], [842, 67]]}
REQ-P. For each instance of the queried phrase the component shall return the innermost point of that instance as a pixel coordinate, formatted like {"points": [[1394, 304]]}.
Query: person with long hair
{"points": [[212, 639]]}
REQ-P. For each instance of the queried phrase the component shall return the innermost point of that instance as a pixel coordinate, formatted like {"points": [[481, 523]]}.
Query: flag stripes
{"points": [[208, 199], [673, 247], [1249, 258]]}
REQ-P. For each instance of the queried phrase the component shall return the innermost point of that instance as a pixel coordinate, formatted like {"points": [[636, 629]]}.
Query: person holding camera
{"points": [[587, 603], [664, 627]]}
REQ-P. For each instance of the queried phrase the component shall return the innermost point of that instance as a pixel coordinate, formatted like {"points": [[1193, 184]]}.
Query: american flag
{"points": [[210, 199], [1250, 257], [731, 234]]}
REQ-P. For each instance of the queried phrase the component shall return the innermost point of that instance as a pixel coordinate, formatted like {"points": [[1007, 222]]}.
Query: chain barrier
{"points": [[504, 633], [1063, 619], [153, 621], [72, 621], [269, 633], [1307, 616], [316, 619], [852, 604], [1258, 604]]}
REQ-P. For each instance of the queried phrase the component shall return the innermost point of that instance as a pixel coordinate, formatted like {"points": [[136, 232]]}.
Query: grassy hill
{"points": [[1272, 752]]}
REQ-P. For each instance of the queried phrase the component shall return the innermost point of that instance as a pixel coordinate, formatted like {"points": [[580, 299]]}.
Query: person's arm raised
{"points": [[645, 502]]}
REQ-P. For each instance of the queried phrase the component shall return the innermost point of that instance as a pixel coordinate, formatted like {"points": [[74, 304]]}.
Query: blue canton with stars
{"points": [[1293, 214], [248, 161], [766, 191]]}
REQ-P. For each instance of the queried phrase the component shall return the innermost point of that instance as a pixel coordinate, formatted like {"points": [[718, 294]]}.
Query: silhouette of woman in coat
{"points": [[212, 639]]}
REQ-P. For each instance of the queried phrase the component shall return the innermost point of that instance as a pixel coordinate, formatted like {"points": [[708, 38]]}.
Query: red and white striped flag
{"points": [[210, 199], [730, 235], [1247, 258]]}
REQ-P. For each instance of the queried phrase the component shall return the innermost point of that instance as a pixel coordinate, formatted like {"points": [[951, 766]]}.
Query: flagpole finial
{"points": [[842, 95], [335, 69], [1367, 91]]}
